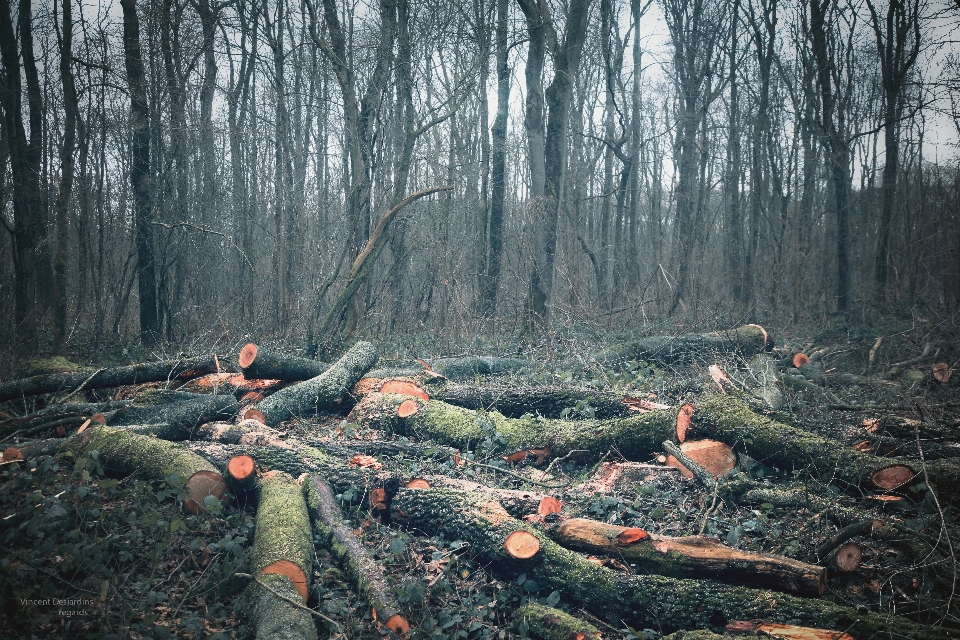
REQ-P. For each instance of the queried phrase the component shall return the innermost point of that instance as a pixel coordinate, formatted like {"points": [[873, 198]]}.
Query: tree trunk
{"points": [[140, 175]]}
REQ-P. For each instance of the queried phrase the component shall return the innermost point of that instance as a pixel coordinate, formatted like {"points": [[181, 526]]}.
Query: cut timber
{"points": [[173, 415], [321, 392], [636, 437], [784, 631], [522, 545], [942, 372], [515, 401], [271, 602], [715, 457], [848, 557], [640, 600], [124, 453], [683, 422], [12, 453], [549, 505], [800, 359], [257, 364], [418, 483], [746, 340], [547, 623], [252, 413], [691, 557], [624, 476], [352, 555], [730, 420], [183, 369], [404, 387], [469, 367], [251, 432], [242, 472], [892, 477], [233, 383], [282, 542], [407, 408]]}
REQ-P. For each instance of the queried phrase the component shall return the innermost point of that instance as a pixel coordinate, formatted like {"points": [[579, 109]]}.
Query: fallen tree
{"points": [[70, 383], [173, 415], [258, 364], [321, 392]]}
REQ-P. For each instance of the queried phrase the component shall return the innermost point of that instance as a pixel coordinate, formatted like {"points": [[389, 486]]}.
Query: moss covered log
{"points": [[124, 453], [516, 401], [321, 392], [746, 340], [637, 437], [639, 600], [174, 415], [729, 420], [276, 617], [282, 542], [185, 368], [691, 557], [257, 364], [367, 576], [547, 623], [470, 367]]}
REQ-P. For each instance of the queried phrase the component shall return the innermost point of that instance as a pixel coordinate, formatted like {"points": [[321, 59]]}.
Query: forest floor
{"points": [[85, 555]]}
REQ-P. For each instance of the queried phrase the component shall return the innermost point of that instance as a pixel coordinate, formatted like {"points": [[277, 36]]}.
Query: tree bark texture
{"points": [[276, 366], [114, 377], [174, 415], [322, 391]]}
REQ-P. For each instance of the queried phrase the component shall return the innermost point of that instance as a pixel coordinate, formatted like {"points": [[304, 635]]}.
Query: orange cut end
{"points": [[252, 413], [418, 483], [800, 359], [361, 460], [629, 536], [398, 624], [203, 484], [549, 505], [12, 453], [518, 456], [405, 388], [241, 467], [407, 408], [716, 457], [378, 498], [247, 355], [522, 545], [292, 571], [942, 372], [865, 446], [848, 557], [98, 418], [683, 421], [892, 477]]}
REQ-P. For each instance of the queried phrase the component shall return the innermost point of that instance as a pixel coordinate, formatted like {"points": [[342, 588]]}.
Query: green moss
{"points": [[46, 366], [152, 459], [548, 623], [283, 525], [276, 618]]}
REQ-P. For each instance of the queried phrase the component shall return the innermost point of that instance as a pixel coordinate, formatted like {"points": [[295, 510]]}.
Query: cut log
{"points": [[942, 372], [282, 543], [549, 505], [58, 411], [848, 557], [233, 383], [546, 623], [367, 576], [241, 473], [522, 545], [321, 392], [252, 413], [470, 367], [683, 422], [638, 600], [784, 631], [746, 340], [691, 557], [182, 369], [173, 415], [403, 387], [800, 359], [249, 432], [714, 457], [418, 483], [275, 616], [729, 420], [516, 401], [257, 364], [862, 528], [125, 453], [636, 437]]}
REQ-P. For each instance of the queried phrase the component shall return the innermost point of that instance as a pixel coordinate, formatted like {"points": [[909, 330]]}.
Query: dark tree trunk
{"points": [[140, 174]]}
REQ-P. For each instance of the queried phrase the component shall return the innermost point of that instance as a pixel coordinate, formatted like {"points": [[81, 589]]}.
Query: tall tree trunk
{"points": [[140, 174], [67, 148], [733, 247]]}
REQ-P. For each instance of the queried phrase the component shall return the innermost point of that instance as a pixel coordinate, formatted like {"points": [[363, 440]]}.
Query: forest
{"points": [[542, 319]]}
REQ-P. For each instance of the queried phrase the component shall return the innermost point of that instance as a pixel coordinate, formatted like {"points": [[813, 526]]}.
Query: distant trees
{"points": [[207, 167]]}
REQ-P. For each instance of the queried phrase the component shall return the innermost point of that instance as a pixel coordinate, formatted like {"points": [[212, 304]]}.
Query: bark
{"points": [[257, 364], [729, 420], [323, 391], [746, 340], [125, 453], [636, 438], [547, 623], [368, 577], [113, 377], [692, 557], [515, 401], [282, 556], [140, 174], [235, 383], [57, 411], [247, 432], [638, 600], [468, 367], [174, 415]]}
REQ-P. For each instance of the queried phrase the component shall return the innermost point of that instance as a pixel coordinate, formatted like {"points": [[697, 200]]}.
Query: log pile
{"points": [[270, 449]]}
